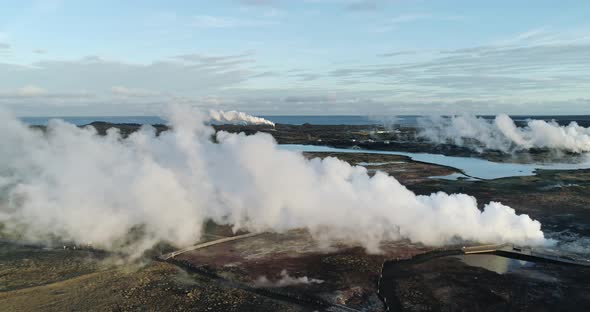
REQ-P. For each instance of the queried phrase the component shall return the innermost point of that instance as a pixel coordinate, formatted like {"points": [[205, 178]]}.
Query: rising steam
{"points": [[73, 184], [286, 280], [238, 118], [502, 134]]}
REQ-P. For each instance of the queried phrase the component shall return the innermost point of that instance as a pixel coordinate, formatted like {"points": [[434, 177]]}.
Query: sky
{"points": [[295, 57]]}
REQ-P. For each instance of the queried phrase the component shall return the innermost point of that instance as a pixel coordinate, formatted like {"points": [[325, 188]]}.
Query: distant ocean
{"points": [[293, 120]]}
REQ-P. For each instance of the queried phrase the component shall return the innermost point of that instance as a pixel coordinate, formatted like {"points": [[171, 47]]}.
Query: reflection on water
{"points": [[474, 167], [498, 264]]}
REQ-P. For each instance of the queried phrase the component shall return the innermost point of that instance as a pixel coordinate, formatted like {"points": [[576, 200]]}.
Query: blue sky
{"points": [[60, 57]]}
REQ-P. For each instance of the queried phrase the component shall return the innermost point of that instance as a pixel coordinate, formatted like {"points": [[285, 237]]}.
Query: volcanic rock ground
{"points": [[226, 277]]}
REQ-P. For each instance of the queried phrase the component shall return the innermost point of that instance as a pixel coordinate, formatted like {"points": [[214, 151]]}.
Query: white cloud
{"points": [[544, 36], [94, 74], [207, 21], [30, 91], [133, 92], [395, 22], [489, 78]]}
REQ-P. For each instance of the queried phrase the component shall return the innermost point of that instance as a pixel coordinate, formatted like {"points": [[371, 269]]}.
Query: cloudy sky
{"points": [[113, 57]]}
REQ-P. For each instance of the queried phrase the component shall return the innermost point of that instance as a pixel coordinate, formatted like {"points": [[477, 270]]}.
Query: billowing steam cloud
{"points": [[76, 185], [238, 118], [502, 134]]}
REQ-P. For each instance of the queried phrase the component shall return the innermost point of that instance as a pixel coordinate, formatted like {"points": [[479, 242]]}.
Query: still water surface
{"points": [[472, 167]]}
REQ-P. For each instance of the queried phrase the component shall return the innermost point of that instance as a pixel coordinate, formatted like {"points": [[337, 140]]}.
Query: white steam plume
{"points": [[77, 185], [286, 280], [239, 118], [502, 134]]}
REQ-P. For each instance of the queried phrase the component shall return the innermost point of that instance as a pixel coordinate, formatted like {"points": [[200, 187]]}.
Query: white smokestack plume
{"points": [[239, 118], [77, 185], [502, 134]]}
